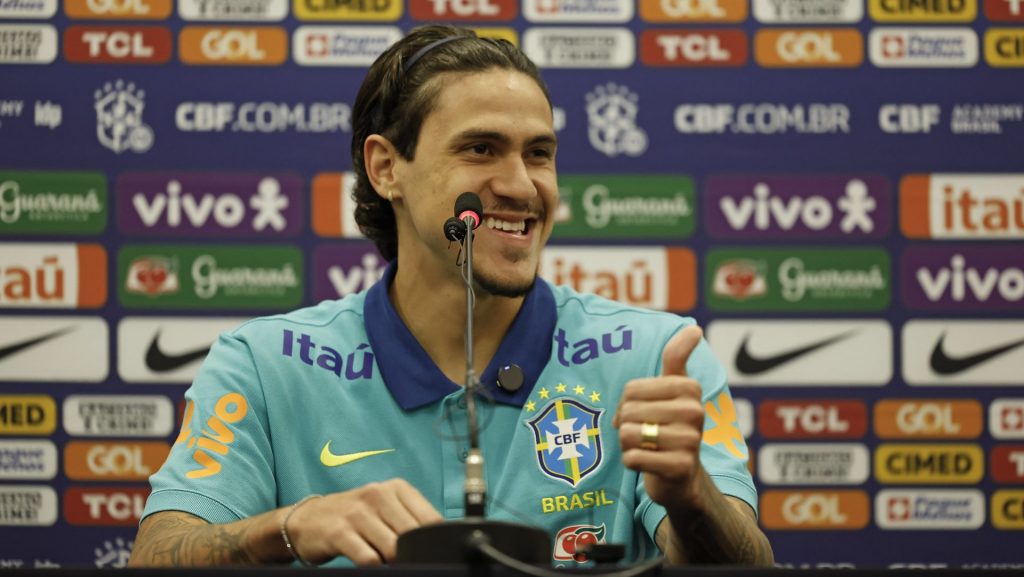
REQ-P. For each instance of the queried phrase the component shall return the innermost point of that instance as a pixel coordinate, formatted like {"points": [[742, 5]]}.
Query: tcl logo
{"points": [[118, 9], [840, 47], [127, 44], [819, 419], [685, 47], [476, 10], [113, 461], [104, 505], [829, 510], [247, 46], [1008, 463], [928, 419]]}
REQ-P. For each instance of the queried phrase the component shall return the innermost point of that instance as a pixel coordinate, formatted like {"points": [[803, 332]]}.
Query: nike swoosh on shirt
{"points": [[331, 460], [944, 364], [160, 362], [751, 365], [18, 347]]}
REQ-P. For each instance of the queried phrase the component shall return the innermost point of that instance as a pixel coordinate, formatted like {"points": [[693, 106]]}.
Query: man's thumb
{"points": [[678, 349]]}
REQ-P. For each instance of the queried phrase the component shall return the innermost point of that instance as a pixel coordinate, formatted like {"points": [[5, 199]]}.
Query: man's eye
{"points": [[480, 149]]}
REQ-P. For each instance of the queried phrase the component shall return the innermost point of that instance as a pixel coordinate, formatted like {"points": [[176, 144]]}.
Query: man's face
{"points": [[490, 133]]}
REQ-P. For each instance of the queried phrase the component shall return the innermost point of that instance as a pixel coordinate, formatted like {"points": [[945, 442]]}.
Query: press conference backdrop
{"points": [[833, 188]]}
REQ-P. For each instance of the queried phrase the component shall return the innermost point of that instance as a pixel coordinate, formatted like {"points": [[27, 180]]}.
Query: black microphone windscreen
{"points": [[469, 202]]}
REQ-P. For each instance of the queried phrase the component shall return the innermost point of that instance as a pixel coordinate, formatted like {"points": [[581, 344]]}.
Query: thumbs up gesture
{"points": [[661, 421]]}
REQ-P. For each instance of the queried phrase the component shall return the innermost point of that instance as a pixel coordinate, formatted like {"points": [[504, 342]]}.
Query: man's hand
{"points": [[672, 401], [362, 524]]}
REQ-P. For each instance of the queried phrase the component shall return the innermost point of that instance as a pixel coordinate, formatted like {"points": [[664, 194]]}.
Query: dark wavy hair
{"points": [[396, 97]]}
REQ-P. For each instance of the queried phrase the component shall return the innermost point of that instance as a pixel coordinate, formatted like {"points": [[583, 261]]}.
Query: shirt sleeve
{"points": [[723, 451], [221, 467]]}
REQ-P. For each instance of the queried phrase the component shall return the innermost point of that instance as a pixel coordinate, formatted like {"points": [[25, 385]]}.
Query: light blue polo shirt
{"points": [[282, 402]]}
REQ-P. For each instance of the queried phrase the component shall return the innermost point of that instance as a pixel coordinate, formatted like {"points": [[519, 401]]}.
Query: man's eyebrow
{"points": [[494, 136]]}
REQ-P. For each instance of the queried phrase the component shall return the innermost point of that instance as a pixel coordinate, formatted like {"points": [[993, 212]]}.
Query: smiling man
{"points": [[320, 436]]}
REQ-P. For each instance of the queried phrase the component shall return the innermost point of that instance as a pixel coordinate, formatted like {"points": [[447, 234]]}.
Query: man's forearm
{"points": [[176, 539], [716, 531]]}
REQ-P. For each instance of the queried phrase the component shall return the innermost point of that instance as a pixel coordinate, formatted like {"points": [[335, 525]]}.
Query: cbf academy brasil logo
{"points": [[567, 435]]}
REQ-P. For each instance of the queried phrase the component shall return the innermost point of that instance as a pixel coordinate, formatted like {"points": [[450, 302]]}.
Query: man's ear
{"points": [[380, 158]]}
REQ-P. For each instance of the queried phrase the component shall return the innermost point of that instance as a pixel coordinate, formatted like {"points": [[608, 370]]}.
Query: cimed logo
{"points": [[611, 121], [119, 126]]}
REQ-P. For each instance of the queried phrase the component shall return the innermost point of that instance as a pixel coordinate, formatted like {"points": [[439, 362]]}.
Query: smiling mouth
{"points": [[516, 227]]}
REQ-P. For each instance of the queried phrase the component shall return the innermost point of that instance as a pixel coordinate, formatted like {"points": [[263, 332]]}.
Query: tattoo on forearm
{"points": [[174, 541], [720, 534]]}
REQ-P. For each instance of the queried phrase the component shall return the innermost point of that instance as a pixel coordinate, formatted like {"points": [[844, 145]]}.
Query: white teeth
{"points": [[503, 225]]}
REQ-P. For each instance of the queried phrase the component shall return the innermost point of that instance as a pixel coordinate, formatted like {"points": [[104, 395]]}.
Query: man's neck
{"points": [[433, 307]]}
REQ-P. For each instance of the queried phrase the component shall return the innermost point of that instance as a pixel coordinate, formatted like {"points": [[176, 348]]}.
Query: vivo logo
{"points": [[959, 278]]}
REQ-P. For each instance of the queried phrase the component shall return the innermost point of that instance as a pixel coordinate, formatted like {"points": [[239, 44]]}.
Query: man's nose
{"points": [[513, 180]]}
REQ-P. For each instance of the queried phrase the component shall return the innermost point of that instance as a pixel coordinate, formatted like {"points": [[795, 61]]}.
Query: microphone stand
{"points": [[464, 541]]}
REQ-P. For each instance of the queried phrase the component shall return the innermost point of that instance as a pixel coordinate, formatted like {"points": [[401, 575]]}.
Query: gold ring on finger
{"points": [[649, 436]]}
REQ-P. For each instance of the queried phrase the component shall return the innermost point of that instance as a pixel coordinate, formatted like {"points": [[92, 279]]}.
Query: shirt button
{"points": [[463, 455], [462, 402]]}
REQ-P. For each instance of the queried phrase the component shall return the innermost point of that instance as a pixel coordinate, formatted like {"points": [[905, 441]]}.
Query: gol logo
{"points": [[1008, 509], [86, 461], [809, 48], [928, 419], [205, 45], [117, 9], [825, 510], [929, 464], [105, 505], [717, 11], [229, 409]]}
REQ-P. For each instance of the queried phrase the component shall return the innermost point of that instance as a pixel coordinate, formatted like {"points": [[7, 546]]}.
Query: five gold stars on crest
{"points": [[579, 390]]}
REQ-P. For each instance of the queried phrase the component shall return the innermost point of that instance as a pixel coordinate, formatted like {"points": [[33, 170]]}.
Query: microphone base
{"points": [[452, 543]]}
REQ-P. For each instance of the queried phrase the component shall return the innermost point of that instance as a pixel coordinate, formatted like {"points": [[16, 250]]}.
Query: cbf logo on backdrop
{"points": [[568, 439], [611, 121], [119, 126]]}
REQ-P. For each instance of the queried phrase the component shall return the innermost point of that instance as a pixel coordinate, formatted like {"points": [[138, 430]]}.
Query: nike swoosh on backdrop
{"points": [[332, 460], [943, 364], [751, 365], [18, 347], [160, 362]]}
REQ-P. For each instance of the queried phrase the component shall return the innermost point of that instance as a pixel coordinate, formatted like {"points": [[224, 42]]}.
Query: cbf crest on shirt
{"points": [[568, 438]]}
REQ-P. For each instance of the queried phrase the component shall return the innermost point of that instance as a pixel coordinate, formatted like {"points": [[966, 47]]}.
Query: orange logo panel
{"points": [[693, 11], [117, 461], [246, 46], [118, 9], [809, 48], [815, 510], [928, 419]]}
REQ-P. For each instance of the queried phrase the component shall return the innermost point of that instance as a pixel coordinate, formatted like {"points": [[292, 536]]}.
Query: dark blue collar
{"points": [[413, 378]]}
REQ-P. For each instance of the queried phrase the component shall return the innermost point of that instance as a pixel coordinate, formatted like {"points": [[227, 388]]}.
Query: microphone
{"points": [[469, 209], [454, 229]]}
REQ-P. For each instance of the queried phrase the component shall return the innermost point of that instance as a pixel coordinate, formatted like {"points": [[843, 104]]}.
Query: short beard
{"points": [[508, 290]]}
